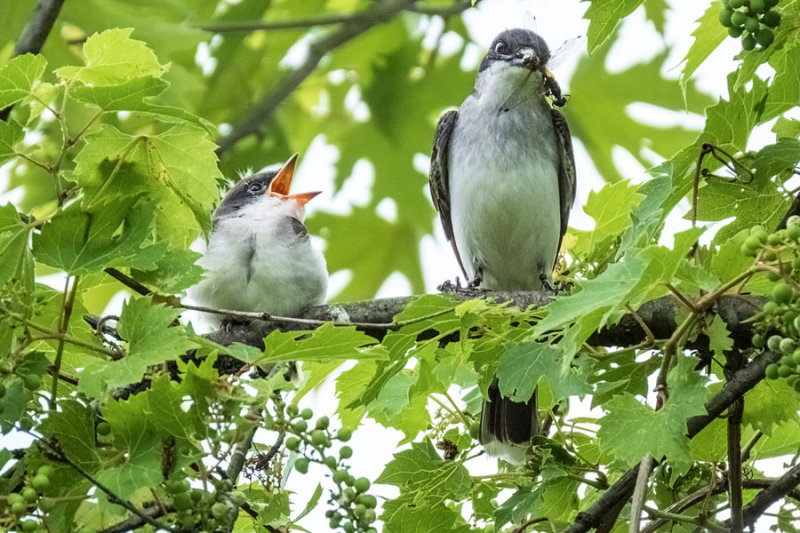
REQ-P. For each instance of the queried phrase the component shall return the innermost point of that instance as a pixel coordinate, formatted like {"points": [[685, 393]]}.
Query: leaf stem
{"points": [[67, 304]]}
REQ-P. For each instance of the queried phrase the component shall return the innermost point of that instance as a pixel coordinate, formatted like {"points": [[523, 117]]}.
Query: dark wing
{"points": [[566, 169], [439, 177]]}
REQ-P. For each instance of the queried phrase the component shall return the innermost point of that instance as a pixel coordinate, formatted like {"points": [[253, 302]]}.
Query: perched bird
{"points": [[259, 255], [502, 177]]}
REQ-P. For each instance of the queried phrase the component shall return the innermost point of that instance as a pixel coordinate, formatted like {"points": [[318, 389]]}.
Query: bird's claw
{"points": [[546, 285]]}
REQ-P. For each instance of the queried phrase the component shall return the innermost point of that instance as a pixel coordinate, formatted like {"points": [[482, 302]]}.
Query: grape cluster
{"points": [[781, 313], [753, 20], [22, 503], [356, 511], [199, 510]]}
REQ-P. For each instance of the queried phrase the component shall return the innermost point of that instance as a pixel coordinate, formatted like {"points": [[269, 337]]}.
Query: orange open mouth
{"points": [[282, 182]]}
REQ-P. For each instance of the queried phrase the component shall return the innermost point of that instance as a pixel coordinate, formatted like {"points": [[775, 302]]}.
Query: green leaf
{"points": [[124, 96], [610, 207], [151, 340], [11, 134], [427, 478], [18, 76], [73, 427], [719, 337], [80, 243], [708, 35], [632, 429], [525, 365], [770, 404], [173, 273], [112, 57], [327, 342], [13, 244], [603, 17], [175, 168]]}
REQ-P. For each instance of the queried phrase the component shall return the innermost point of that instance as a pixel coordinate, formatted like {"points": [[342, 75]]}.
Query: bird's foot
{"points": [[546, 285], [476, 281], [450, 287]]}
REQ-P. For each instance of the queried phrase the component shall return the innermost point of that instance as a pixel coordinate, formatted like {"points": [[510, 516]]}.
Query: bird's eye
{"points": [[501, 47], [255, 188]]}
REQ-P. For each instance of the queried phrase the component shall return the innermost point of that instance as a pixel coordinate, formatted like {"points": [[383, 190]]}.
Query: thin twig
{"points": [[734, 363], [67, 304], [234, 468], [522, 527], [640, 492]]}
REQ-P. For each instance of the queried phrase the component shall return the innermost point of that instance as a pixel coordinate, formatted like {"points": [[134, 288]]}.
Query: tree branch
{"points": [[742, 381], [782, 486], [657, 315], [382, 12]]}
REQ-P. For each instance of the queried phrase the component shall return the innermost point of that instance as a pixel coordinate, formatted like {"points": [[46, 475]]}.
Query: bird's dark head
{"points": [[269, 184], [519, 48]]}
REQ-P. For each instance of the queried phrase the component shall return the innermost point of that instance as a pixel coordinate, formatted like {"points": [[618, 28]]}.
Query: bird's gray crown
{"points": [[511, 45], [248, 190]]}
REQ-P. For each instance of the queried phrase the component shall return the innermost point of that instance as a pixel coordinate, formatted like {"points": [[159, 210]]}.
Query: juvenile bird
{"points": [[259, 255], [502, 177]]}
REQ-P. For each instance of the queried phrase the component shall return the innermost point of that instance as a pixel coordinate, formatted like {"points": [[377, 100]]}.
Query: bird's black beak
{"points": [[282, 182], [527, 58]]}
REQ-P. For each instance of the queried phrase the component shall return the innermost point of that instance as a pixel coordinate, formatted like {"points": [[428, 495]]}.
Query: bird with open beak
{"points": [[259, 256], [502, 177]]}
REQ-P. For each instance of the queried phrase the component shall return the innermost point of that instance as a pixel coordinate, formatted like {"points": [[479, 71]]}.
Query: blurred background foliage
{"points": [[375, 97]]}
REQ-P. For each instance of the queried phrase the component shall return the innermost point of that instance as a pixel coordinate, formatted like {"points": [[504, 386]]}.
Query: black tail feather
{"points": [[507, 421]]}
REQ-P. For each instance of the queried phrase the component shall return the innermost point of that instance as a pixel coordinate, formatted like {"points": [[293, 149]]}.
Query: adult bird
{"points": [[259, 255], [502, 177]]}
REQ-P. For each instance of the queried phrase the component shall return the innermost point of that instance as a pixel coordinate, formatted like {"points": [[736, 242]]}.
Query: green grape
{"points": [[787, 346], [735, 32], [758, 340], [361, 484], [46, 470], [765, 38], [29, 494], [176, 486], [346, 452], [738, 18], [751, 24], [317, 437], [736, 4], [349, 494], [754, 241], [292, 444], [323, 422], [748, 42], [348, 527], [301, 465], [19, 508], [770, 255], [757, 6], [796, 356], [774, 343], [29, 526], [218, 510], [291, 410], [725, 17], [784, 371], [340, 476], [40, 482], [782, 293], [771, 19], [306, 414], [15, 497], [793, 232], [793, 221], [787, 360], [474, 430], [329, 461], [774, 239], [771, 308], [369, 516], [237, 498], [344, 434], [103, 428], [47, 504], [182, 501], [368, 500], [359, 510], [299, 426], [32, 381]]}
